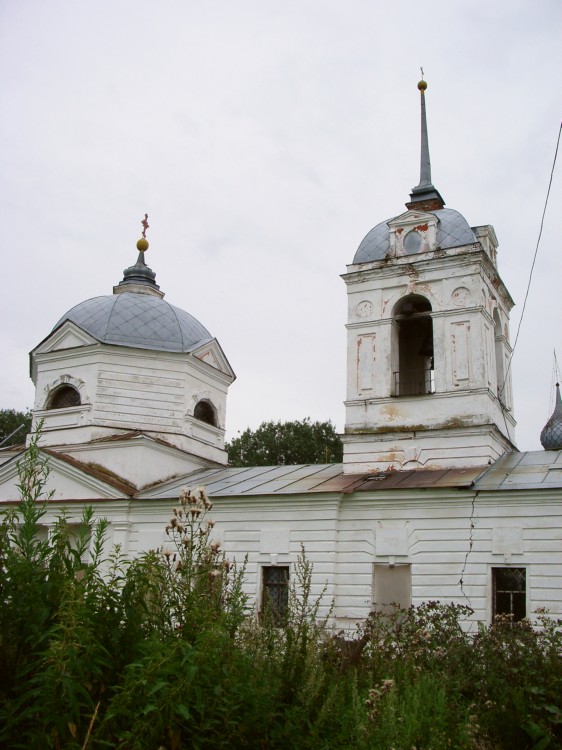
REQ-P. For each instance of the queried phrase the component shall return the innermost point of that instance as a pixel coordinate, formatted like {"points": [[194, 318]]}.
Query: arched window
{"points": [[500, 373], [63, 397], [413, 347], [205, 412]]}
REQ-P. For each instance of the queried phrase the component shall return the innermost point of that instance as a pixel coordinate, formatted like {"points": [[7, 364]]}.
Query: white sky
{"points": [[265, 139]]}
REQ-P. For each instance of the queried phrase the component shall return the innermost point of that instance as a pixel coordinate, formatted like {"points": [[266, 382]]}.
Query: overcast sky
{"points": [[265, 139]]}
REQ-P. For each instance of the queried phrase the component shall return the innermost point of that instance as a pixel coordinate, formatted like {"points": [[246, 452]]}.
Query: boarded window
{"points": [[392, 587], [275, 592], [509, 592]]}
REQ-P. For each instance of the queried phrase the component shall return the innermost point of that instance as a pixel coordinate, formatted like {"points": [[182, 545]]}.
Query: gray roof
{"points": [[452, 231], [523, 471], [532, 470], [142, 321]]}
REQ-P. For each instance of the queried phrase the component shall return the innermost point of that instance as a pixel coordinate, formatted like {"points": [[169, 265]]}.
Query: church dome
{"points": [[551, 435], [136, 315], [452, 231], [142, 321]]}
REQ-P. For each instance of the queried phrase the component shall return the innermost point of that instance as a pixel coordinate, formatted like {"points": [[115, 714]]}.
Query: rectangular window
{"points": [[275, 592], [509, 592], [392, 585]]}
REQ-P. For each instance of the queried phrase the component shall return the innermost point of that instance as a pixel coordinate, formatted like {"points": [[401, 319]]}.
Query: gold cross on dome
{"points": [[145, 225]]}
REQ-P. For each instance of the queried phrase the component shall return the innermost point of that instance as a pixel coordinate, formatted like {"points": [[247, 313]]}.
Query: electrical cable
{"points": [[532, 266]]}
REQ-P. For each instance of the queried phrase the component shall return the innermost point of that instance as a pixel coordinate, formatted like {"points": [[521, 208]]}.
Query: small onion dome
{"points": [[551, 435]]}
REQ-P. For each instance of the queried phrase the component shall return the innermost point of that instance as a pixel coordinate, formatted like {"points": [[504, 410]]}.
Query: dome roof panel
{"points": [[141, 321], [452, 231], [375, 244]]}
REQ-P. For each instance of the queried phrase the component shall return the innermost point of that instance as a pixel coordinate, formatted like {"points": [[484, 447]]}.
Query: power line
{"points": [[532, 265]]}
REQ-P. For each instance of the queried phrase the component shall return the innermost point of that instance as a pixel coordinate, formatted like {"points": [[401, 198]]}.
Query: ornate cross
{"points": [[145, 225]]}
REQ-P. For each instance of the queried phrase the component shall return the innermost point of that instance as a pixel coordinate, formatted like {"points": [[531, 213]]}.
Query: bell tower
{"points": [[428, 382]]}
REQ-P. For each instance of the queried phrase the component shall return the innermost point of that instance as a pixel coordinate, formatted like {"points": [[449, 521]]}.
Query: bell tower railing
{"points": [[417, 382]]}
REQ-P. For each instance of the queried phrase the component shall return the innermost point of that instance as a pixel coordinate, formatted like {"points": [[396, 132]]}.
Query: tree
{"points": [[10, 420], [286, 443]]}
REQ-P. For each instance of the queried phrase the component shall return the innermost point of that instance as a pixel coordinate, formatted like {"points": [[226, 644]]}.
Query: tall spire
{"points": [[425, 196]]}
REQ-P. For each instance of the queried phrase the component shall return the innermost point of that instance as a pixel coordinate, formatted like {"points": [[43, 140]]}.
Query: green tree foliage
{"points": [[286, 443], [10, 420]]}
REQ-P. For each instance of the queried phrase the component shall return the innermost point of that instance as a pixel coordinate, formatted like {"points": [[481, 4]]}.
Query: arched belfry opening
{"points": [[205, 412], [63, 397], [412, 347], [498, 337]]}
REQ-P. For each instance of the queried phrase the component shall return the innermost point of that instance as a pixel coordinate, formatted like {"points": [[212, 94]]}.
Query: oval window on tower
{"points": [[412, 242]]}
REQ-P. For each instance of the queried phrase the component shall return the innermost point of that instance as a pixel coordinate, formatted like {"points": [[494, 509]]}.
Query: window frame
{"points": [[494, 590], [267, 603], [60, 392]]}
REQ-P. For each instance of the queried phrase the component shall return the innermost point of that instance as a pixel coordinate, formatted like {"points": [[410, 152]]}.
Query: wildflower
{"points": [[214, 574], [166, 552], [195, 511], [173, 522], [215, 547], [210, 524], [227, 565]]}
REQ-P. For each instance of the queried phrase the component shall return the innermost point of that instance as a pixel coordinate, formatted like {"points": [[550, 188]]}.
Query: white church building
{"points": [[432, 502]]}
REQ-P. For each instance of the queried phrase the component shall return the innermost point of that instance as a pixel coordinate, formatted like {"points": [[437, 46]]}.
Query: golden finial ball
{"points": [[422, 85], [142, 245]]}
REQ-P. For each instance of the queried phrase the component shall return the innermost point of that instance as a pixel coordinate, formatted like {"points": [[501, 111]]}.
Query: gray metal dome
{"points": [[452, 231], [142, 321], [551, 435]]}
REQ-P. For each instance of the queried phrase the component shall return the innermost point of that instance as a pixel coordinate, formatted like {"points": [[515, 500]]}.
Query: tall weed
{"points": [[165, 652]]}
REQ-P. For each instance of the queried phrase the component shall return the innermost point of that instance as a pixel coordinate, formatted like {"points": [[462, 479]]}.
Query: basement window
{"points": [[509, 593], [275, 593], [64, 397]]}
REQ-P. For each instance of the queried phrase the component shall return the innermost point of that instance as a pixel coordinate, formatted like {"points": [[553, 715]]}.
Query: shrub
{"points": [[165, 652]]}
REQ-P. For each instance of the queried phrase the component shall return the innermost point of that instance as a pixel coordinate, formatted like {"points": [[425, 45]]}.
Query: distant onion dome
{"points": [[551, 435], [137, 316]]}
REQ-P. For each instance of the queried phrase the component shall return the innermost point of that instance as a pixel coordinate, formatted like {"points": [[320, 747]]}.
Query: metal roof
{"points": [[541, 469], [452, 231], [531, 470], [142, 321], [310, 478]]}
